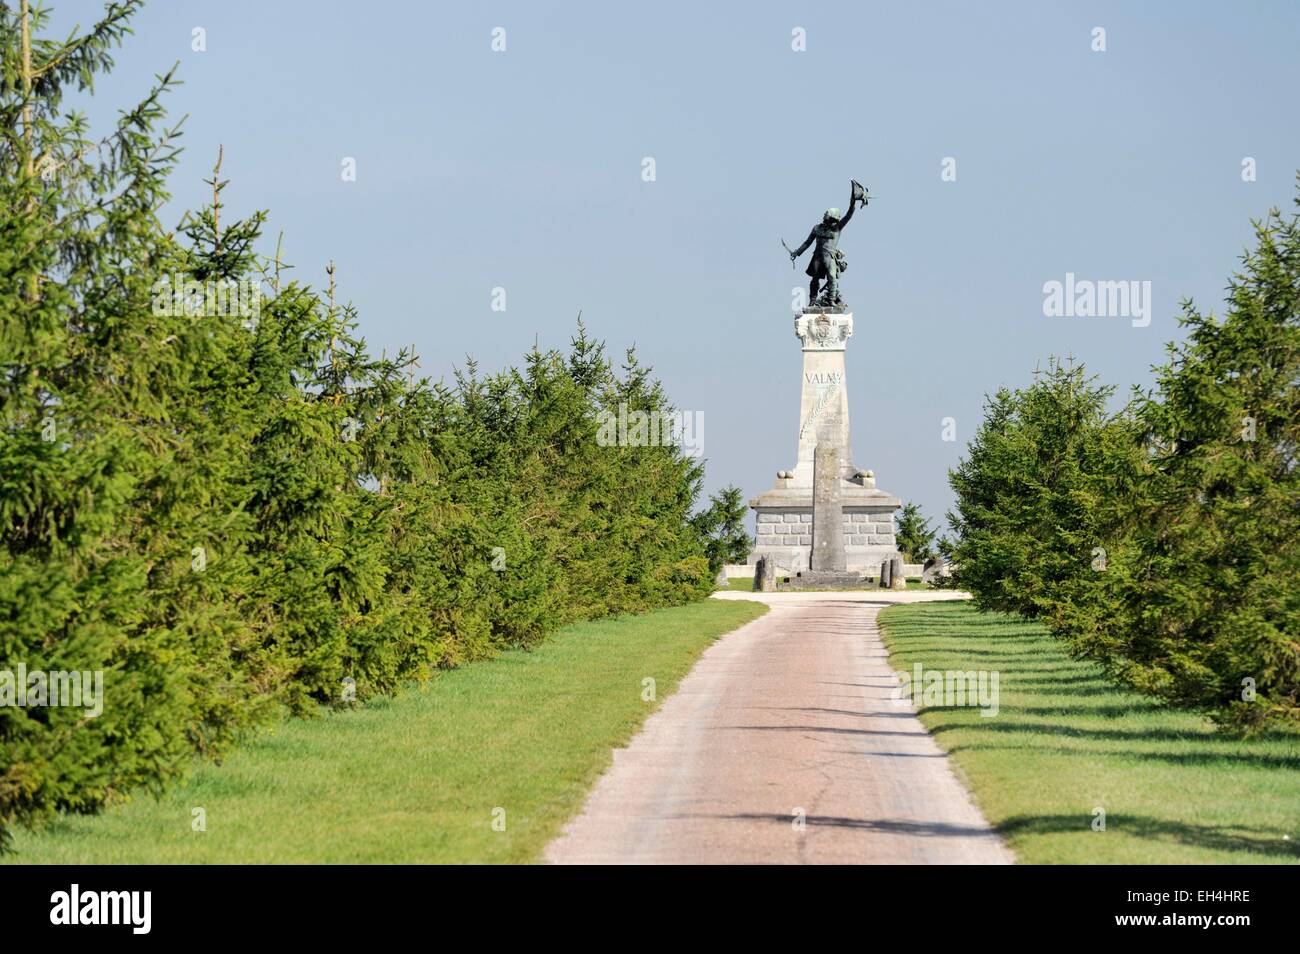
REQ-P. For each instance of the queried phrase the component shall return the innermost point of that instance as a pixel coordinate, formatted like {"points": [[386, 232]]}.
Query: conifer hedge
{"points": [[1163, 539], [243, 511]]}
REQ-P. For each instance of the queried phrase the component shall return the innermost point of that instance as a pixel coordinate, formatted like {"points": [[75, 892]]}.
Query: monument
{"points": [[825, 520]]}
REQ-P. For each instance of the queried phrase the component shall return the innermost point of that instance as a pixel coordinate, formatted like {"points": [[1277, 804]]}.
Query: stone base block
{"points": [[861, 560], [784, 528], [822, 580]]}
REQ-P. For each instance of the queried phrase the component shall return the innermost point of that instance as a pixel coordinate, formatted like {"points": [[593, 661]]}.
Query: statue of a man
{"points": [[827, 260]]}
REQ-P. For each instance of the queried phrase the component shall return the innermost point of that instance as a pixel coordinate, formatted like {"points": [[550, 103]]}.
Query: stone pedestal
{"points": [[824, 396], [785, 514]]}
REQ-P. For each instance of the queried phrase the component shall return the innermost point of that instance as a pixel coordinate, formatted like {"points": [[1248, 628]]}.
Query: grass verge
{"points": [[417, 778], [1066, 742]]}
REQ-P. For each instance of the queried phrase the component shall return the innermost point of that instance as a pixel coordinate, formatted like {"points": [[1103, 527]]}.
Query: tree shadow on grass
{"points": [[1090, 686], [1008, 665], [1051, 671], [817, 728], [1197, 752], [857, 714], [1105, 712], [886, 825], [1232, 838], [1014, 652], [1140, 734]]}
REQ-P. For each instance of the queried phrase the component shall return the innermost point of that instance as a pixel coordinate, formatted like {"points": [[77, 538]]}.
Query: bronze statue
{"points": [[828, 262]]}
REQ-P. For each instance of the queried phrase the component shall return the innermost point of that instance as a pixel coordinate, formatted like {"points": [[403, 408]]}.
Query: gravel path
{"points": [[787, 719]]}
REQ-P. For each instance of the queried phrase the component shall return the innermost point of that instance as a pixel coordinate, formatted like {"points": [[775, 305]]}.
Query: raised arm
{"points": [[848, 215]]}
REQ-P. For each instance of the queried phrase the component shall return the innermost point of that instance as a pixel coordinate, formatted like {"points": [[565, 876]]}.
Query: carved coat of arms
{"points": [[824, 331]]}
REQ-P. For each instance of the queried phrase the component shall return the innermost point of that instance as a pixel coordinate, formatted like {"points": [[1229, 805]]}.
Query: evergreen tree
{"points": [[1036, 494], [229, 513], [1201, 605], [915, 538], [84, 429], [722, 526]]}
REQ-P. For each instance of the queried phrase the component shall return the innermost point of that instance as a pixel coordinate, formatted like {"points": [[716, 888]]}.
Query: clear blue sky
{"points": [[522, 170]]}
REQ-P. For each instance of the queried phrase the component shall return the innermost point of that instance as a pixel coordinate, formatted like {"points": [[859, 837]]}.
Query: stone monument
{"points": [[825, 518], [828, 512]]}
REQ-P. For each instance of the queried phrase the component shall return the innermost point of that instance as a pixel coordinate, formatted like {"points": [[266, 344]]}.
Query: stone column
{"points": [[824, 397], [828, 511]]}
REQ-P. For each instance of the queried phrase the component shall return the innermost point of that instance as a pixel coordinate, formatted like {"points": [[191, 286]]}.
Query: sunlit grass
{"points": [[1066, 742], [417, 778]]}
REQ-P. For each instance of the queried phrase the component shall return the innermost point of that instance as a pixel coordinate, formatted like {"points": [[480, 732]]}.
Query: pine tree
{"points": [[83, 425], [228, 513], [1201, 605], [190, 519], [915, 538], [1036, 494], [722, 527]]}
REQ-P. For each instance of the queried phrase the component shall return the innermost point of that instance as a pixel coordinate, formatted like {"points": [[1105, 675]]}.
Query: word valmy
{"points": [[103, 907], [1084, 298]]}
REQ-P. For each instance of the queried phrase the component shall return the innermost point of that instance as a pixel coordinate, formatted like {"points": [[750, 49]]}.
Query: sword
{"points": [[792, 255]]}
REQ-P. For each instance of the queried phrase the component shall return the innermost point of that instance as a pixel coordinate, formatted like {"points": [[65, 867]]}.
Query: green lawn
{"points": [[417, 778], [1066, 741]]}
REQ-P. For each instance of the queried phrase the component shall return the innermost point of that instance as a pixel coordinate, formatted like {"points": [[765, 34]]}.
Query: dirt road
{"points": [[783, 746]]}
